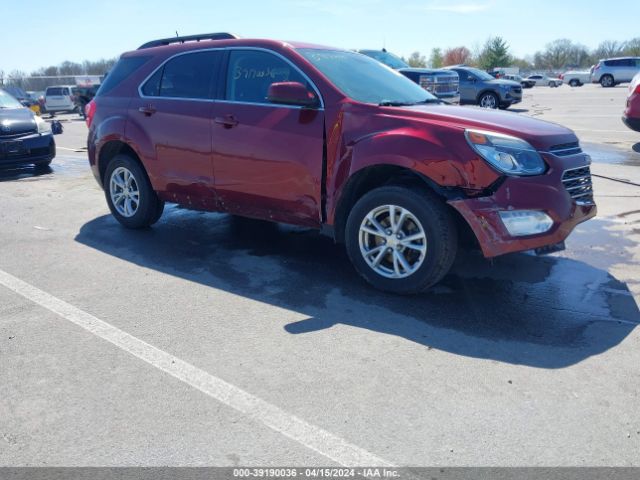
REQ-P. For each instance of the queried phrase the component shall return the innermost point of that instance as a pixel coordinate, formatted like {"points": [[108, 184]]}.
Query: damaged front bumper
{"points": [[564, 194]]}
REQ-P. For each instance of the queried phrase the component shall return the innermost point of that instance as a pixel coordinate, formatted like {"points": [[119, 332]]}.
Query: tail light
{"points": [[562, 76], [90, 111], [637, 90], [597, 67]]}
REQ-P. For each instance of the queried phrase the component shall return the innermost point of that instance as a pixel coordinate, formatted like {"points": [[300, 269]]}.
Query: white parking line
{"points": [[311, 436]]}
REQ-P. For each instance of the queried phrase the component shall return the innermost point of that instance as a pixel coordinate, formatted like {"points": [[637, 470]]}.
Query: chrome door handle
{"points": [[148, 110]]}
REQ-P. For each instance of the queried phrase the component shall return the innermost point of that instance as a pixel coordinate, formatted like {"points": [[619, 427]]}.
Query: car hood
{"points": [[539, 133], [14, 121]]}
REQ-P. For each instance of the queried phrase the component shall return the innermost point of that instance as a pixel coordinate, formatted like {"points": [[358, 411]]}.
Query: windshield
{"points": [[389, 59], [480, 74], [366, 80], [7, 101]]}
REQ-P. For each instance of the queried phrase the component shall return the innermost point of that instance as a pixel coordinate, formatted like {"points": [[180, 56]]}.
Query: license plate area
{"points": [[11, 149]]}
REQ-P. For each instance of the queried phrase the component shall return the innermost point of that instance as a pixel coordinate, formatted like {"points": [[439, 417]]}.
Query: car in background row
{"points": [[544, 80], [517, 78], [631, 115], [610, 72], [442, 83], [59, 99], [479, 88], [82, 96], [576, 78], [25, 138]]}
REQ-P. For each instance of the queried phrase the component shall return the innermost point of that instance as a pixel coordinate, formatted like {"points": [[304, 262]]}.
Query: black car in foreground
{"points": [[24, 137]]}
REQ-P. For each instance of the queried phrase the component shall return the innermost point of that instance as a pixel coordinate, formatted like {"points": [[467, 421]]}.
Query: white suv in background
{"points": [[59, 99], [613, 71]]}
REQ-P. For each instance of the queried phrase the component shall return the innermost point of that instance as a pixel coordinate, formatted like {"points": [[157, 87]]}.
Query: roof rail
{"points": [[189, 38]]}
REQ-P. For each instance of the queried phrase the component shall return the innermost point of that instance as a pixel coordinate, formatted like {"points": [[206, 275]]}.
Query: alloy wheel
{"points": [[124, 192], [488, 101], [392, 241]]}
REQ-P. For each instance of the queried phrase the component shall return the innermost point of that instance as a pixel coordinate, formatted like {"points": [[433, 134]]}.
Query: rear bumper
{"points": [[632, 123], [33, 149], [544, 193]]}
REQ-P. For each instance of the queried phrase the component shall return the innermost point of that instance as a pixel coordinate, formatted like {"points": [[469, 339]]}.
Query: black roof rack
{"points": [[189, 38]]}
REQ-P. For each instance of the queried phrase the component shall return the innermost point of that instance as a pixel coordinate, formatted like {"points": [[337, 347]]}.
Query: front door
{"points": [[174, 114], [267, 157]]}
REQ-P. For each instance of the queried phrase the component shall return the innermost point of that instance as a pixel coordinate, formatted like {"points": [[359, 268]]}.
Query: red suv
{"points": [[334, 140], [631, 116]]}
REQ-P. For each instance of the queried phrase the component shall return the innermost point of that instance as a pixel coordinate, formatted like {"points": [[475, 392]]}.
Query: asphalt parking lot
{"points": [[210, 340]]}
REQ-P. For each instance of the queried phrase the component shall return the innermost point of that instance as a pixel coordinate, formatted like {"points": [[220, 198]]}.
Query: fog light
{"points": [[525, 222]]}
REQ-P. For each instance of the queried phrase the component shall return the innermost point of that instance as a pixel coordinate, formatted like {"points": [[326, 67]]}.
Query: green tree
{"points": [[416, 60], [494, 54], [436, 59]]}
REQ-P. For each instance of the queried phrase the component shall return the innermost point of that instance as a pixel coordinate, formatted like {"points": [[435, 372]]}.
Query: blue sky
{"points": [[40, 33]]}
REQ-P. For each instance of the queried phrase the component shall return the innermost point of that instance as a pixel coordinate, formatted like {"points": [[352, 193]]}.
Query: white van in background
{"points": [[59, 99]]}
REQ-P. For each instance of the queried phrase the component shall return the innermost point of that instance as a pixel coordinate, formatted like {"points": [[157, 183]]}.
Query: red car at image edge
{"points": [[631, 115], [334, 140]]}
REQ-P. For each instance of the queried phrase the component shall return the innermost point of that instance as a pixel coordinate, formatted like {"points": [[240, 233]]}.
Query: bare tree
{"points": [[417, 60]]}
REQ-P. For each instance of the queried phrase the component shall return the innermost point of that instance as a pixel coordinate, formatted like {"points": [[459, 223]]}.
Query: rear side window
{"points": [[251, 72], [190, 75], [125, 67]]}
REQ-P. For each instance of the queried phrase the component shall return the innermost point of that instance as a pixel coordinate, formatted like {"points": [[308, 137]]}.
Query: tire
{"points": [[431, 257], [117, 185], [488, 100], [607, 81], [574, 83]]}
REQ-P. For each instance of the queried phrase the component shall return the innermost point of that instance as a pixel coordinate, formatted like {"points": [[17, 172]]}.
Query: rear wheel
{"points": [[488, 100], [129, 193], [574, 83], [401, 239], [606, 81]]}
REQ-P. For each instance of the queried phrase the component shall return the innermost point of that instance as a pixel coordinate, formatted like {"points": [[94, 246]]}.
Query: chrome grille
{"points": [[577, 182], [439, 84], [566, 149]]}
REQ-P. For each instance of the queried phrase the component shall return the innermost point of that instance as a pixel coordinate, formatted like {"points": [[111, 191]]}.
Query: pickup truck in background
{"points": [[576, 78], [442, 83]]}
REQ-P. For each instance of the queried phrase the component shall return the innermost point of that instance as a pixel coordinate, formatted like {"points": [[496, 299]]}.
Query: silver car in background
{"points": [[610, 72]]}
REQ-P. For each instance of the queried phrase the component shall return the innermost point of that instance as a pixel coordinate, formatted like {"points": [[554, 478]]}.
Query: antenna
{"points": [[177, 33]]}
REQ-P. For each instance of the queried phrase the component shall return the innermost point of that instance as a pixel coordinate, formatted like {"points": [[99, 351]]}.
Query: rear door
{"points": [[56, 98], [173, 114], [267, 157]]}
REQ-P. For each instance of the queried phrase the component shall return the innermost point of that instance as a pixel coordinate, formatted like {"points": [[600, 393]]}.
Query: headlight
{"points": [[505, 153], [43, 127]]}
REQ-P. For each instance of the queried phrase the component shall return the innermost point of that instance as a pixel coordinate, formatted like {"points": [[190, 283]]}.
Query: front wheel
{"points": [[488, 100], [401, 239], [129, 193], [606, 81]]}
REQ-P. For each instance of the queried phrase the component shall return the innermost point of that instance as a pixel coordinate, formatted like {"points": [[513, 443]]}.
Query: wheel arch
{"points": [[111, 149], [375, 176], [487, 90]]}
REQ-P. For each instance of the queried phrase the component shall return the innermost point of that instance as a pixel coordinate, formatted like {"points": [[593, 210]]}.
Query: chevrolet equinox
{"points": [[334, 140]]}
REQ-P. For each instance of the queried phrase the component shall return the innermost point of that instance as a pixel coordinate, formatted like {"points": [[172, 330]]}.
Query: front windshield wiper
{"points": [[389, 103]]}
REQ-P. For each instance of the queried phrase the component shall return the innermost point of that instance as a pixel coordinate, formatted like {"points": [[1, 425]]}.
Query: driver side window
{"points": [[251, 72]]}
